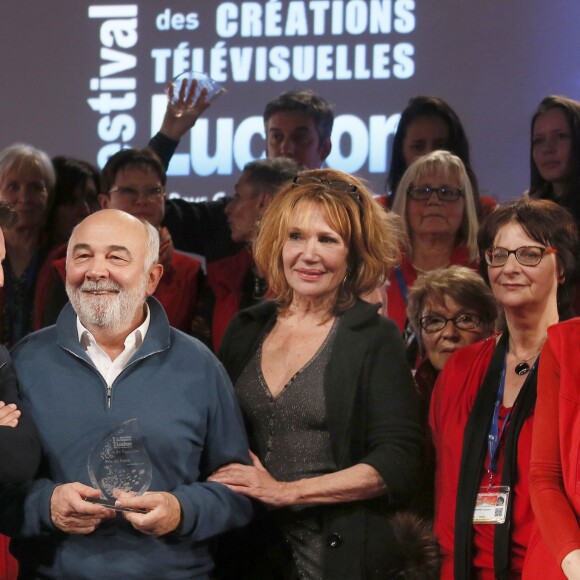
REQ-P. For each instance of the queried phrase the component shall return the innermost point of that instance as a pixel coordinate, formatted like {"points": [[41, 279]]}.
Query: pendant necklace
{"points": [[523, 368]]}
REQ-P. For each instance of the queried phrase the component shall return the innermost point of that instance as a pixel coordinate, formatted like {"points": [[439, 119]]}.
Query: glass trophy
{"points": [[182, 97], [120, 463]]}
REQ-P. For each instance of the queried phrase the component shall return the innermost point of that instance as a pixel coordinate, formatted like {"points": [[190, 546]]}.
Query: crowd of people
{"points": [[326, 386]]}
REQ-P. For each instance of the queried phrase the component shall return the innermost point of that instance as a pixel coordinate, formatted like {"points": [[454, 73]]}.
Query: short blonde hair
{"points": [[371, 234], [445, 165]]}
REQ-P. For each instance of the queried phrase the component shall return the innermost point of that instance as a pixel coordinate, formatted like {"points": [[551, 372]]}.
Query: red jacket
{"points": [[396, 299], [226, 279], [555, 466], [451, 405]]}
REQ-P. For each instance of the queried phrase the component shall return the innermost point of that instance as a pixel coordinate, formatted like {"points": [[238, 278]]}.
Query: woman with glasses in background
{"points": [[325, 389], [439, 214], [26, 182], [450, 309], [483, 404]]}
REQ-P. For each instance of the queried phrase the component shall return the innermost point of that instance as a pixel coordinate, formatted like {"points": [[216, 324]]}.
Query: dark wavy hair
{"points": [[548, 224], [426, 106], [539, 187]]}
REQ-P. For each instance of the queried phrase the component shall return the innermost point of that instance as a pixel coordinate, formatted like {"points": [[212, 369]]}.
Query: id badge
{"points": [[491, 505]]}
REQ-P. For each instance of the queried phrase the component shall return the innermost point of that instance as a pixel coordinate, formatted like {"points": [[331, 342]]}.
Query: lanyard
{"points": [[402, 284], [495, 435]]}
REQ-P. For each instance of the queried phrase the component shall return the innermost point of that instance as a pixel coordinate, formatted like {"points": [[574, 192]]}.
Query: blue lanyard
{"points": [[402, 284], [495, 435]]}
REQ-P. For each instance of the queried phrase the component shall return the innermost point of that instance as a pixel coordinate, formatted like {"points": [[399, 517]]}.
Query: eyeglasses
{"points": [[424, 193], [335, 186], [526, 255], [435, 323], [132, 193]]}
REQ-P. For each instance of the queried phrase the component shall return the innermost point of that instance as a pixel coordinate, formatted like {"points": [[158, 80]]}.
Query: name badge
{"points": [[491, 505]]}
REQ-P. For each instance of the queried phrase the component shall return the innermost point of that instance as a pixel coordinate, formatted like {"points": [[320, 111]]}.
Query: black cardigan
{"points": [[372, 413]]}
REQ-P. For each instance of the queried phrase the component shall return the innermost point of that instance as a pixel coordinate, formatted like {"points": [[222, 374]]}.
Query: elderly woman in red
{"points": [[483, 404], [436, 201], [554, 484]]}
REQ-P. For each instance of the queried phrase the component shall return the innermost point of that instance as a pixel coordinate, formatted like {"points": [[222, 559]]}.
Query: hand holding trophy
{"points": [[188, 96], [192, 90]]}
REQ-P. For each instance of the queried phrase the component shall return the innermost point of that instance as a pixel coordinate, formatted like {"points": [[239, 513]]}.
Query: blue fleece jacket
{"points": [[190, 424]]}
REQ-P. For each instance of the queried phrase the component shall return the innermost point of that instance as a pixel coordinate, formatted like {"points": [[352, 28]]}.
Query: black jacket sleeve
{"points": [[20, 445], [164, 147]]}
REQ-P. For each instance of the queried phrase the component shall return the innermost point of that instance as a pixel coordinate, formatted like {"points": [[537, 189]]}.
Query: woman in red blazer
{"points": [[483, 402], [554, 550]]}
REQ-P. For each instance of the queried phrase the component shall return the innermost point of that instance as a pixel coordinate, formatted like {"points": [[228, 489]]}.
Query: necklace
{"points": [[424, 271], [523, 368]]}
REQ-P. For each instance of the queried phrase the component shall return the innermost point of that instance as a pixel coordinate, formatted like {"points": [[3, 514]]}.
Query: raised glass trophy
{"points": [[120, 463], [182, 97]]}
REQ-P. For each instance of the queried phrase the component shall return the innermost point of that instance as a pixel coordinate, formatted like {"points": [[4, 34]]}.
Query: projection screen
{"points": [[87, 78]]}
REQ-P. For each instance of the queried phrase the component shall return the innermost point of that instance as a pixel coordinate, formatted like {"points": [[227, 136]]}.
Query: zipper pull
{"points": [[109, 393]]}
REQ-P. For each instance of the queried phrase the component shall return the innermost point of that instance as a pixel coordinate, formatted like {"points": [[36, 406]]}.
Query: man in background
{"points": [[233, 280], [298, 125]]}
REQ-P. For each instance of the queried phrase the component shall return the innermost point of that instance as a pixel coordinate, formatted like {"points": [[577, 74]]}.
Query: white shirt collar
{"points": [[134, 338], [107, 368]]}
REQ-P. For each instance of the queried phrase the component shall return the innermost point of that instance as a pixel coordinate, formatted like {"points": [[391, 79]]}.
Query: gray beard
{"points": [[113, 313]]}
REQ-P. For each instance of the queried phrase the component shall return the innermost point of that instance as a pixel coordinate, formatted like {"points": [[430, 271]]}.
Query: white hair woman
{"points": [[26, 182]]}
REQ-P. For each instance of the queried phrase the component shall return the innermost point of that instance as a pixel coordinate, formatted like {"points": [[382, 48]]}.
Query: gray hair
{"points": [[445, 165], [21, 156], [268, 175], [460, 283], [152, 243]]}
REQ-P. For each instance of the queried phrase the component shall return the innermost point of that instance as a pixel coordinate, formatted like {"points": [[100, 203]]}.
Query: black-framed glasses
{"points": [[424, 192], [337, 186], [525, 255], [462, 321], [132, 193]]}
